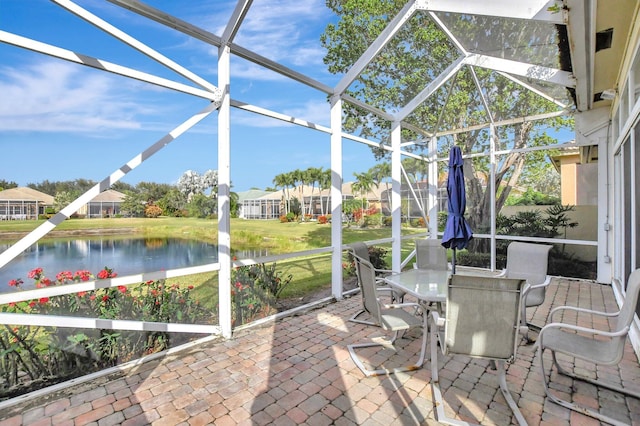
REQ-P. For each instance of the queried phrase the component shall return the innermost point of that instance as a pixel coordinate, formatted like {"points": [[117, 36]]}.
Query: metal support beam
{"points": [[136, 44], [233, 26], [538, 10], [536, 72], [103, 65], [444, 76], [432, 199], [396, 197], [581, 30], [224, 191], [534, 90], [214, 40], [336, 197]]}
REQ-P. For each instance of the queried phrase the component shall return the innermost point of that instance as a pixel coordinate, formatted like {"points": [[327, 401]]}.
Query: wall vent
{"points": [[604, 39]]}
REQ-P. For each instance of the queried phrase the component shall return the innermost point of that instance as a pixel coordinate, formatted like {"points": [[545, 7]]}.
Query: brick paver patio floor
{"points": [[298, 371]]}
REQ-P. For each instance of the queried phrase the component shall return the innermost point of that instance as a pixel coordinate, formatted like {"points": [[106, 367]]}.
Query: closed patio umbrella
{"points": [[457, 231]]}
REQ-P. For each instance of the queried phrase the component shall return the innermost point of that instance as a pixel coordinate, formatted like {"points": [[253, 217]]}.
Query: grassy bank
{"points": [[310, 273]]}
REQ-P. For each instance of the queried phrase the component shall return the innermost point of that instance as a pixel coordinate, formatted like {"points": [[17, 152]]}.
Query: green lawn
{"points": [[309, 273]]}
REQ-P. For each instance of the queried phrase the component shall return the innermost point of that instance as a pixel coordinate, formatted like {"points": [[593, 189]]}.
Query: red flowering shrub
{"points": [[255, 290], [59, 354]]}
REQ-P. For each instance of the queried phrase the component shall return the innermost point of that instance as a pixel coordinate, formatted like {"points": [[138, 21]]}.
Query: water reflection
{"points": [[124, 256]]}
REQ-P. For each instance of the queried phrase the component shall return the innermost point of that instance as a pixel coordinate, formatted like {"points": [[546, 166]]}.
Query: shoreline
{"points": [[7, 236]]}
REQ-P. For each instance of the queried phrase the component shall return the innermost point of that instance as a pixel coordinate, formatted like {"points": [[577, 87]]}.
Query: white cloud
{"points": [[315, 112], [56, 96], [251, 71], [282, 30], [285, 31]]}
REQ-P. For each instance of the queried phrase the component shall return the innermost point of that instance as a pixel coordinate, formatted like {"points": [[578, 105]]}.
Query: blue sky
{"points": [[62, 121]]}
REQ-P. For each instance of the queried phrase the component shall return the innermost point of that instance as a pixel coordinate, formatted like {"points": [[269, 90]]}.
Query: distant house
{"points": [[23, 203], [256, 204], [578, 168], [105, 204]]}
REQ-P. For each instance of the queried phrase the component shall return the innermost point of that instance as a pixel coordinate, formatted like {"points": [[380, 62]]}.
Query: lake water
{"points": [[124, 256]]}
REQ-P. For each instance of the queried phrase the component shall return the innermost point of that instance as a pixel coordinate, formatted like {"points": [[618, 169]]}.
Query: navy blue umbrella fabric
{"points": [[457, 231]]}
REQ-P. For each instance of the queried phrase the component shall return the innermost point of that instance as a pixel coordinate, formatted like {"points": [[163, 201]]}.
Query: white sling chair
{"points": [[482, 321], [529, 261], [360, 251], [592, 345], [430, 254], [391, 317]]}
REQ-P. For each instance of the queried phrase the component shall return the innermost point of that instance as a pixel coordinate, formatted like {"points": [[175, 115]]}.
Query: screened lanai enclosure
{"points": [[531, 91]]}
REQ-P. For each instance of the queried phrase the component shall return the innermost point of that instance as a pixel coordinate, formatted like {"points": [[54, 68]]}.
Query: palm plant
{"points": [[380, 172], [363, 184], [325, 183]]}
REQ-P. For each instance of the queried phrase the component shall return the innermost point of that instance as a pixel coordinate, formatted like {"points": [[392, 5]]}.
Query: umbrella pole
{"points": [[453, 262]]}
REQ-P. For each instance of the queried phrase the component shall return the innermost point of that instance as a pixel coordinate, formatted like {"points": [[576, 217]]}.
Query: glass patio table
{"points": [[426, 285]]}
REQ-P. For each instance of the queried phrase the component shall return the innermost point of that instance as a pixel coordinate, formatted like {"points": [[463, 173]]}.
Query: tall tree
{"points": [[4, 184], [133, 204], [78, 186], [298, 179], [381, 173], [63, 198], [325, 184], [363, 185], [173, 202], [122, 187], [190, 184], [313, 175], [210, 182], [283, 181], [152, 192], [278, 182]]}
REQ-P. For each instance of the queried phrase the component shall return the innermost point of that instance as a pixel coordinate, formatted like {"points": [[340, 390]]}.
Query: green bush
{"points": [[418, 223], [377, 257], [255, 291], [372, 220], [559, 264], [152, 211], [442, 220]]}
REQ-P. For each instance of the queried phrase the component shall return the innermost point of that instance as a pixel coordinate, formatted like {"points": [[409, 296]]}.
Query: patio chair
{"points": [[430, 254], [589, 344], [529, 261], [482, 321], [391, 317], [360, 251]]}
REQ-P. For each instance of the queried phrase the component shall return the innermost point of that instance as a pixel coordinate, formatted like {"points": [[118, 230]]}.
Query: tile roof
{"points": [[24, 193]]}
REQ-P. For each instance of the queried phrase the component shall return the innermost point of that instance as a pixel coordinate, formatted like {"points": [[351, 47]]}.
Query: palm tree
{"points": [[313, 176], [297, 180], [289, 183], [280, 181], [363, 184], [325, 183], [380, 173]]}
